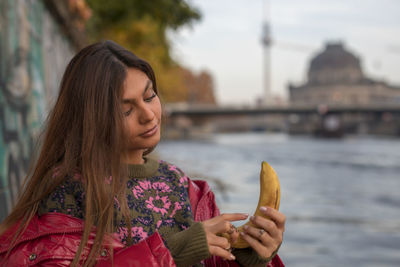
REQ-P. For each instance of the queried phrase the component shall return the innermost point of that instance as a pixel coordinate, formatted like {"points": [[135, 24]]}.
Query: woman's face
{"points": [[142, 113]]}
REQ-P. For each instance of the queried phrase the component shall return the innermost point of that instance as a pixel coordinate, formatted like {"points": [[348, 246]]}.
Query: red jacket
{"points": [[52, 240]]}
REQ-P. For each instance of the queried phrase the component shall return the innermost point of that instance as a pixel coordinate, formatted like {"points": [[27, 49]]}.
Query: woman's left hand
{"points": [[267, 235]]}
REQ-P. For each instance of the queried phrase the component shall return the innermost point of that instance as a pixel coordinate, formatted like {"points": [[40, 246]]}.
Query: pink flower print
{"points": [[137, 191], [139, 233], [183, 180], [172, 168], [145, 185], [169, 222], [177, 206], [158, 224], [145, 220], [121, 234], [161, 187], [159, 204]]}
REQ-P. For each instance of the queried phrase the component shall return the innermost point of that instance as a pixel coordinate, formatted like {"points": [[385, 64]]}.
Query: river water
{"points": [[341, 197]]}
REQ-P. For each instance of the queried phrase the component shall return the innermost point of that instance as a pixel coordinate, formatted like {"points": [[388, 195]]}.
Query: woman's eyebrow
{"points": [[148, 85]]}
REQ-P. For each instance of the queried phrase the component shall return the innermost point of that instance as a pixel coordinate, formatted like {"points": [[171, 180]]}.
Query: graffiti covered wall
{"points": [[33, 54]]}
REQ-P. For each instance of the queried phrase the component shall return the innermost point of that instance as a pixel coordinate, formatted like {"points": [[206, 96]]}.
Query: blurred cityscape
{"points": [[337, 100]]}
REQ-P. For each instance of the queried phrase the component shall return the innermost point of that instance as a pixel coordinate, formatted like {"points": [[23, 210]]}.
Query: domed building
{"points": [[335, 77]]}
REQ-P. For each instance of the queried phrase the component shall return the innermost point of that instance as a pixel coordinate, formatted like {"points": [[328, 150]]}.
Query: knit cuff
{"points": [[189, 246], [249, 257]]}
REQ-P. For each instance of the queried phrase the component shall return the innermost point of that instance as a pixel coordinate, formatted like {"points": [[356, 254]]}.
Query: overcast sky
{"points": [[227, 41]]}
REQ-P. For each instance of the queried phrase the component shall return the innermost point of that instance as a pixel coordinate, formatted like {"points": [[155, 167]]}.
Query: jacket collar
{"points": [[47, 224]]}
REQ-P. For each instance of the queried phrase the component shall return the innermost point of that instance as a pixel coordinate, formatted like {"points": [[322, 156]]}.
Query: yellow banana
{"points": [[270, 195]]}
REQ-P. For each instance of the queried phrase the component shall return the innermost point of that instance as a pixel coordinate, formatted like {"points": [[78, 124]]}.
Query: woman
{"points": [[93, 198]]}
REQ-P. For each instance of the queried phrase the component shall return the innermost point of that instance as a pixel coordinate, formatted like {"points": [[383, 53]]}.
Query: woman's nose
{"points": [[146, 114]]}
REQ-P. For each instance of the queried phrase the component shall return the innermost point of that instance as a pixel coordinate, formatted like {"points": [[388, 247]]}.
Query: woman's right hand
{"points": [[220, 246]]}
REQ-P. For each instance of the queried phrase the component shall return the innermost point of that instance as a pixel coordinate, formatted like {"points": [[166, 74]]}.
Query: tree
{"points": [[141, 26]]}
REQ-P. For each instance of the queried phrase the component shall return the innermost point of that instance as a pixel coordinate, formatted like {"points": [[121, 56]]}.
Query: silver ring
{"points": [[261, 232], [232, 229]]}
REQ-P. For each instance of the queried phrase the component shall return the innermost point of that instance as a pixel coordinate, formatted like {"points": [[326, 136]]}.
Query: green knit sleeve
{"points": [[249, 257], [189, 246]]}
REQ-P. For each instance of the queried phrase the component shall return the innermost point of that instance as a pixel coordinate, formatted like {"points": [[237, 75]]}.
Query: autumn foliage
{"points": [[142, 27]]}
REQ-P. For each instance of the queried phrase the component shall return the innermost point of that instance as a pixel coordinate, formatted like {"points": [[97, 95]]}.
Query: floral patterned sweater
{"points": [[158, 200]]}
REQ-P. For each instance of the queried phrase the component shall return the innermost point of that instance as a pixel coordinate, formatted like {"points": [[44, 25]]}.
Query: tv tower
{"points": [[267, 42]]}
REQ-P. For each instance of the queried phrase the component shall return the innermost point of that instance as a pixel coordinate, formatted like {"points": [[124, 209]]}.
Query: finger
{"points": [[234, 216], [268, 225], [221, 242], [220, 227], [234, 236], [232, 229], [261, 250], [260, 234], [278, 217], [223, 253], [221, 223]]}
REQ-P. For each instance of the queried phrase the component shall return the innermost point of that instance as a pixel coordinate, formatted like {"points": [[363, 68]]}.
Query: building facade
{"points": [[335, 78]]}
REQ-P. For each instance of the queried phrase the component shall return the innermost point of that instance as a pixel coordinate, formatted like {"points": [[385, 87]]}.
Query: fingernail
{"points": [[246, 215], [232, 257], [242, 233], [252, 218], [263, 209], [246, 227]]}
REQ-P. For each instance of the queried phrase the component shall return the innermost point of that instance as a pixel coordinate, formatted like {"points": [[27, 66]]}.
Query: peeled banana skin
{"points": [[270, 195]]}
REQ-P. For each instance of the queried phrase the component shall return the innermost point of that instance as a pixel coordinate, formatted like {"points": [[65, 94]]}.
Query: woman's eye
{"points": [[127, 113], [148, 99]]}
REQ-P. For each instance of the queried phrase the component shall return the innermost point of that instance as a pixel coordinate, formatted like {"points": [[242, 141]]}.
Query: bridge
{"points": [[196, 111], [322, 119]]}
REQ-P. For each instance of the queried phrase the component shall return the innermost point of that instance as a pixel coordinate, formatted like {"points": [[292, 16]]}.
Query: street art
{"points": [[26, 30]]}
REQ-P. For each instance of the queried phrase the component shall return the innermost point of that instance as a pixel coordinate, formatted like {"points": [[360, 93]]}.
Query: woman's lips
{"points": [[150, 132]]}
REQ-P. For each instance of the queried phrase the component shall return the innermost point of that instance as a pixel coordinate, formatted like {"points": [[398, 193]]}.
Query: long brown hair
{"points": [[85, 134]]}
